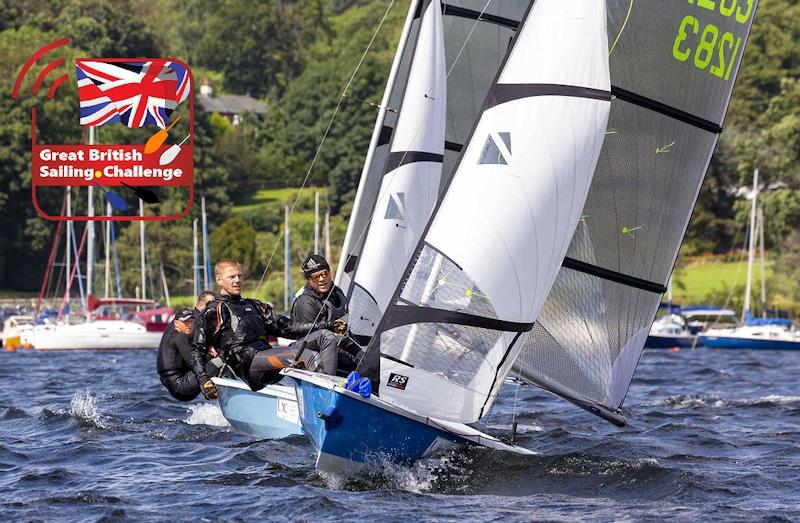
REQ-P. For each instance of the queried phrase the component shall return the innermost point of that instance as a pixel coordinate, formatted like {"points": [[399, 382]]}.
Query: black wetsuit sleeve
{"points": [[305, 309], [203, 331], [294, 329], [284, 327], [190, 355]]}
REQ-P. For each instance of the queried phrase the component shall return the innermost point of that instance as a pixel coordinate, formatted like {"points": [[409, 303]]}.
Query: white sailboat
{"points": [[451, 327], [754, 333], [517, 267]]}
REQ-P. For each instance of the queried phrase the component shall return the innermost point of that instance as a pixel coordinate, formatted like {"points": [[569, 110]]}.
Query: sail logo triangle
{"points": [[496, 149], [396, 208]]}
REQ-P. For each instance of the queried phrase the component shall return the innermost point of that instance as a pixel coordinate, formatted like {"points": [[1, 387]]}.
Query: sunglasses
{"points": [[321, 275]]}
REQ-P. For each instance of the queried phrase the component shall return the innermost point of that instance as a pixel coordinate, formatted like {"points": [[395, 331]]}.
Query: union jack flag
{"points": [[134, 92]]}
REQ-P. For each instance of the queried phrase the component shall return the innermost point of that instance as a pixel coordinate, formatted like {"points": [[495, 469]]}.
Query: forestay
{"points": [[673, 66], [492, 250], [410, 185]]}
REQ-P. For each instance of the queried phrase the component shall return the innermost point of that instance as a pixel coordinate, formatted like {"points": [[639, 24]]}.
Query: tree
{"points": [[257, 45], [235, 239]]}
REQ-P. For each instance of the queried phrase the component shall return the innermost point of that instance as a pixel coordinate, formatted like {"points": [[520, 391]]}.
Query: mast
{"points": [[107, 244], [751, 251], [164, 284], [286, 269], [195, 267], [206, 254], [763, 267], [316, 222], [141, 250], [68, 255], [90, 236], [327, 235], [352, 234]]}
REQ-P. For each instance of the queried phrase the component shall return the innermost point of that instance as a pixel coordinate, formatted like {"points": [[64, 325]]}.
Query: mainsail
{"points": [[492, 249], [410, 184], [673, 66]]}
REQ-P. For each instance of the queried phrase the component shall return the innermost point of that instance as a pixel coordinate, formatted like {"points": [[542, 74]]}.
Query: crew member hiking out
{"points": [[238, 329], [321, 300], [181, 369]]}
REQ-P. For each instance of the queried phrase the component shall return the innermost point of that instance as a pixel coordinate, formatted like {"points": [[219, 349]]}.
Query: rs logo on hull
{"points": [[398, 381]]}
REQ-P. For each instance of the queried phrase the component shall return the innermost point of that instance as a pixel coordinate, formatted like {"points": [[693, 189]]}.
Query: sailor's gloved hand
{"points": [[208, 389], [339, 327], [283, 322]]}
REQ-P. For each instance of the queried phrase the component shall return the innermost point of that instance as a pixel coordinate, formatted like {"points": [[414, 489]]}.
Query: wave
{"points": [[206, 414], [83, 407], [13, 413], [422, 476], [710, 400]]}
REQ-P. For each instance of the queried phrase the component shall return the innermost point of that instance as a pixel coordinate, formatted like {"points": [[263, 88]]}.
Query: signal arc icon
{"points": [[48, 68]]}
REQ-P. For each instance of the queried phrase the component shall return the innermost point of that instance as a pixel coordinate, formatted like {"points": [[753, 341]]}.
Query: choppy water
{"points": [[713, 435]]}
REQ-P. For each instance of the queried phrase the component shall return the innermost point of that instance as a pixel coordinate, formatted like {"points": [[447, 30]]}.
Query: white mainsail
{"points": [[410, 185], [665, 120], [494, 245]]}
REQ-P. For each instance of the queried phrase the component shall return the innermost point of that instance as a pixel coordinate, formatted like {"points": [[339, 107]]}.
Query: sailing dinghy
{"points": [[480, 270]]}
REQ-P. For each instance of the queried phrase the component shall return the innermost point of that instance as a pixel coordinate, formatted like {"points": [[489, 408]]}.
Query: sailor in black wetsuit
{"points": [[181, 369], [321, 300], [238, 329]]}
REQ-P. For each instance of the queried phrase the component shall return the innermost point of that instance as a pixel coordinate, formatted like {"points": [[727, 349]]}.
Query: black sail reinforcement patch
{"points": [[398, 381]]}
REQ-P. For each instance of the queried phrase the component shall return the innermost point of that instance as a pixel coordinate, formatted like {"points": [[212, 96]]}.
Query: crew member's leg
{"points": [[319, 351], [182, 386], [266, 364]]}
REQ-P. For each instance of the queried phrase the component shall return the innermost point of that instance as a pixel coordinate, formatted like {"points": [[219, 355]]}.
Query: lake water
{"points": [[713, 435]]}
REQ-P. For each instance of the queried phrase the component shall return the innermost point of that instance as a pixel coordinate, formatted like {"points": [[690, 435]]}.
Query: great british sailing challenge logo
{"points": [[133, 92]]}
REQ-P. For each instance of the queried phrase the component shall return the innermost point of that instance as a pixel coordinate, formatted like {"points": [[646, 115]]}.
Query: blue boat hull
{"points": [[668, 342], [349, 433], [726, 342], [269, 413]]}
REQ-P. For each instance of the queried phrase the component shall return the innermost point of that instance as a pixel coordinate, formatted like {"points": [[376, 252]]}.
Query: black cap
{"points": [[314, 263], [184, 314]]}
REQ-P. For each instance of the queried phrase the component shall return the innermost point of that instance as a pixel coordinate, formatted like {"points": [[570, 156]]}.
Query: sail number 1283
{"points": [[705, 45]]}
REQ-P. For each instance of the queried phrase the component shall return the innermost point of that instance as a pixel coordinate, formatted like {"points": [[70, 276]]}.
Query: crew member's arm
{"points": [[192, 357], [305, 310], [284, 327], [201, 339]]}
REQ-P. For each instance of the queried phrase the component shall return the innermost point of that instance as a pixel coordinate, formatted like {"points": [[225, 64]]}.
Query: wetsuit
{"points": [[179, 367], [238, 329], [307, 306], [313, 306]]}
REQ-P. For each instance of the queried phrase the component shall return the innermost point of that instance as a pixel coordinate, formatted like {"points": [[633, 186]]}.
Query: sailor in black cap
{"points": [[181, 369], [322, 301]]}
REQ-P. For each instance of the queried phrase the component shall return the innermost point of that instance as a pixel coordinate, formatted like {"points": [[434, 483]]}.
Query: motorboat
{"points": [[13, 328]]}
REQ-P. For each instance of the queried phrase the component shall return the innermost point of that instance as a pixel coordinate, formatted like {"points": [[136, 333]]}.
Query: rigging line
{"points": [[373, 104], [624, 24], [324, 136], [469, 35]]}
